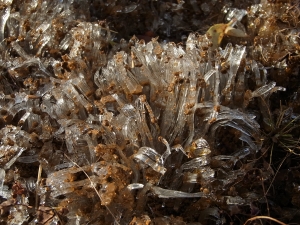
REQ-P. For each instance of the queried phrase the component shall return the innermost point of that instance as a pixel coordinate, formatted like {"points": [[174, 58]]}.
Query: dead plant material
{"points": [[264, 217]]}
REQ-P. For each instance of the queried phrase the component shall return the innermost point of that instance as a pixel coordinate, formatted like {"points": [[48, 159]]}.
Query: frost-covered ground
{"points": [[198, 126]]}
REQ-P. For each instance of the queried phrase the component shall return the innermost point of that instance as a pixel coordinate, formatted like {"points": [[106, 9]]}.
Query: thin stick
{"points": [[37, 186], [93, 186], [263, 186], [264, 217]]}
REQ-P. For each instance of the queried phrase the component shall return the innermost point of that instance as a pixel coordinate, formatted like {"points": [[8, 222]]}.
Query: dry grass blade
{"points": [[264, 217], [93, 186], [37, 186], [287, 155]]}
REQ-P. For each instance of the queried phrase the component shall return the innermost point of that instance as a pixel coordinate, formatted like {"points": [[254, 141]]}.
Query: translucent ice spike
{"points": [[74, 52], [151, 158], [206, 173], [12, 161], [204, 105], [4, 16], [181, 117], [28, 159], [235, 60], [6, 2], [41, 30], [33, 61], [24, 118], [29, 183], [238, 14], [208, 75], [227, 51], [43, 91], [229, 114], [2, 178], [143, 99], [196, 163], [216, 95], [42, 42], [21, 97], [157, 69], [235, 200], [240, 154], [146, 70], [120, 101], [19, 213], [73, 94], [59, 186], [135, 186], [128, 110], [141, 120], [81, 84], [126, 77], [264, 71], [249, 141], [65, 43], [198, 148], [259, 80], [63, 166], [232, 176], [165, 193], [191, 178], [190, 43], [177, 148], [199, 175], [168, 117], [130, 131], [91, 145], [142, 197], [263, 90], [201, 143], [20, 50], [203, 174], [222, 157], [166, 154]]}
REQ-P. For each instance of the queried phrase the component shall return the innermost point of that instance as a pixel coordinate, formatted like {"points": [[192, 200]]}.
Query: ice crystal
{"points": [[126, 122]]}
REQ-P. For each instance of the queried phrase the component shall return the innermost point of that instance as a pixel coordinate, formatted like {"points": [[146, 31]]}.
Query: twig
{"points": [[264, 217], [37, 186], [265, 195]]}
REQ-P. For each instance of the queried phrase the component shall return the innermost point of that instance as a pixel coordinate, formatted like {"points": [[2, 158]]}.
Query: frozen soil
{"points": [[130, 112]]}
